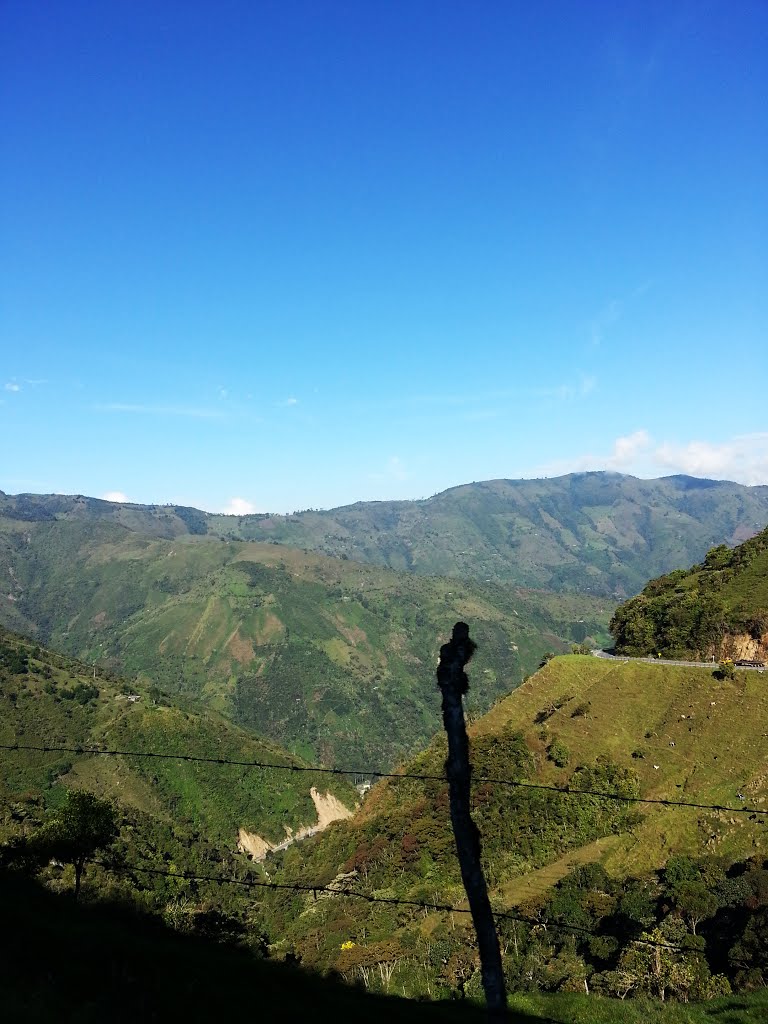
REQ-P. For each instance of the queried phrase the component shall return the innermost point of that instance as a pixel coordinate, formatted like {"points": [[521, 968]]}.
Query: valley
{"points": [[328, 657], [225, 694]]}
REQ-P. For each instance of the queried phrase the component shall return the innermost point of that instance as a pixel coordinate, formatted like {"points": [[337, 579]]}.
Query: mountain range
{"points": [[245, 650], [604, 532]]}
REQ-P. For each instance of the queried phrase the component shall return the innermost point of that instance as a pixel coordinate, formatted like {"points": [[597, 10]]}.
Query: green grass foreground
{"points": [[583, 1009]]}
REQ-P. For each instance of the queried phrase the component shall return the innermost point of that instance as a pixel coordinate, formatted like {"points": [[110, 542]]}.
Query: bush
{"points": [[558, 753]]}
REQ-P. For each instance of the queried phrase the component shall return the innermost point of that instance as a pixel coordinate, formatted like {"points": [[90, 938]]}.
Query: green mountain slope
{"points": [[718, 608], [605, 532], [48, 699], [328, 657], [602, 532], [663, 732]]}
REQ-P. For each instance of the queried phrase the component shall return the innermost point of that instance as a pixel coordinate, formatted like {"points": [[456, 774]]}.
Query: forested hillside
{"points": [[47, 699], [718, 608], [330, 658], [604, 532]]}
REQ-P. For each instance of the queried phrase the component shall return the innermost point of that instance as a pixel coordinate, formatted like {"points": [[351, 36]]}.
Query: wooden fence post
{"points": [[453, 683]]}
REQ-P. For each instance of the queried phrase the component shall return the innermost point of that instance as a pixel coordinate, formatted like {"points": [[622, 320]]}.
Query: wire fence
{"points": [[254, 883], [375, 773]]}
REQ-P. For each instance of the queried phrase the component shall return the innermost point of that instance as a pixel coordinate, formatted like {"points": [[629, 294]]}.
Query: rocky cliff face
{"points": [[742, 645], [329, 809]]}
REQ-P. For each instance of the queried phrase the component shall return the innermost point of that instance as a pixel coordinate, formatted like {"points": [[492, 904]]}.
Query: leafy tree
{"points": [[696, 903], [83, 825], [653, 965]]}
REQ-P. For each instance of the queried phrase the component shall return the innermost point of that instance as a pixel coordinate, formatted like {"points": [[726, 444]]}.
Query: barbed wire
{"points": [[254, 883], [419, 776]]}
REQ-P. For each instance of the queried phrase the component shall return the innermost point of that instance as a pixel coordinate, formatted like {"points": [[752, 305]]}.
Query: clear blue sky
{"points": [[304, 253]]}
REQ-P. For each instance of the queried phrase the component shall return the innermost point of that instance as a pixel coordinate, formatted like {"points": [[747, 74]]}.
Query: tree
{"points": [[656, 964], [83, 825]]}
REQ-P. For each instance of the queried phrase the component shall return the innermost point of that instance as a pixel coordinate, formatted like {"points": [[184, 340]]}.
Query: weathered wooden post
{"points": [[454, 683]]}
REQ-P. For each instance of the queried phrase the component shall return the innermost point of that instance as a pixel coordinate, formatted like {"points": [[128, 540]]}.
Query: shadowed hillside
{"points": [[105, 962]]}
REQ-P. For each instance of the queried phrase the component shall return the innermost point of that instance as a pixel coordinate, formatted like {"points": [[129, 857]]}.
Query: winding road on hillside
{"points": [[669, 661]]}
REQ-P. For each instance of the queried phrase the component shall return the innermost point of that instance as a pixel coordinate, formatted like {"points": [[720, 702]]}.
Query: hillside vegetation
{"points": [[620, 871], [662, 732], [112, 963], [599, 532], [330, 658], [604, 532], [48, 699], [718, 608]]}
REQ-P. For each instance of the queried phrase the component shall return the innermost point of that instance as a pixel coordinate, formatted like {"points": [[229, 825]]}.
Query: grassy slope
{"points": [[215, 799], [719, 750], [718, 731], [330, 658]]}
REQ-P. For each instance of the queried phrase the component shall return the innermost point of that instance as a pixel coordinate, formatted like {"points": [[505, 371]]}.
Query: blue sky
{"points": [[272, 256]]}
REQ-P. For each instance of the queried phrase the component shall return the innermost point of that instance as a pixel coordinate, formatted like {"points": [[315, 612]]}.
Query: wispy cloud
{"points": [[394, 469], [288, 402], [115, 496], [604, 320], [139, 409], [566, 392], [15, 385], [223, 393]]}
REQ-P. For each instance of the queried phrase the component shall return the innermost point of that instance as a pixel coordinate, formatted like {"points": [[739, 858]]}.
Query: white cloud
{"points": [[743, 458], [115, 496], [288, 402], [627, 449], [239, 507], [223, 393], [12, 386]]}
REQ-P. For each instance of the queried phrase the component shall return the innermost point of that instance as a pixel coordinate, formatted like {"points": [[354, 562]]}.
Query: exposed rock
{"points": [[329, 808]]}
